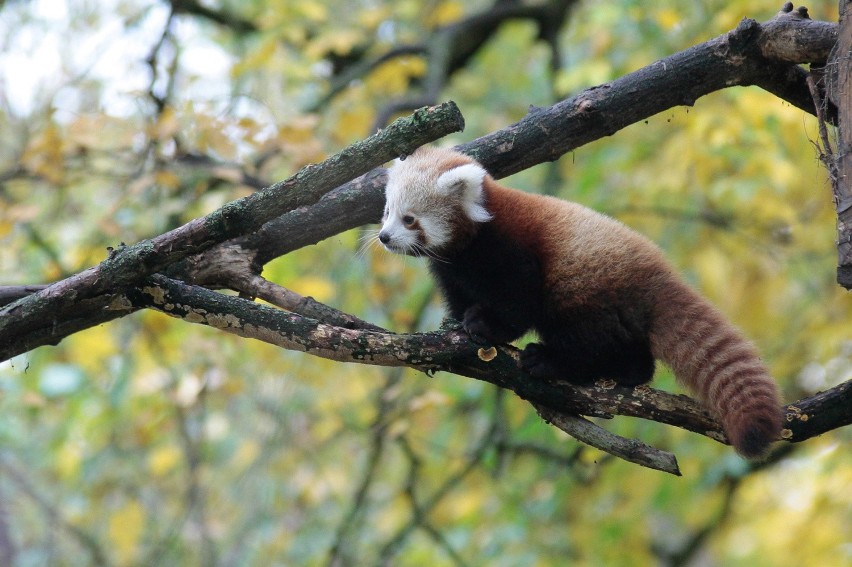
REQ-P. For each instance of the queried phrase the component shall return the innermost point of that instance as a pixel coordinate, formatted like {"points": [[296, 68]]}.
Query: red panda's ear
{"points": [[465, 181]]}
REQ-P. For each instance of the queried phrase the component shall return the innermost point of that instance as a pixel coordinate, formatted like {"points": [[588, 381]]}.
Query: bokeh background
{"points": [[148, 441]]}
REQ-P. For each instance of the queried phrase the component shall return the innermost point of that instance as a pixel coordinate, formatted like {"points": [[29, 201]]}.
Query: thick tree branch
{"points": [[454, 351], [792, 37], [839, 160], [733, 59], [35, 316]]}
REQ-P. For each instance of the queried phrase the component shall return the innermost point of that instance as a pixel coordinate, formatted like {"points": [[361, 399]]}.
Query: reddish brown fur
{"points": [[591, 263], [590, 258], [715, 361]]}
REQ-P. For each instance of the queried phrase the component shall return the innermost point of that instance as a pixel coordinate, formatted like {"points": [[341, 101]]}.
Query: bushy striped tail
{"points": [[722, 368]]}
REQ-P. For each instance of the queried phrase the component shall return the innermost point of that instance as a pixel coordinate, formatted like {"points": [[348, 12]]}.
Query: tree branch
{"points": [[448, 49], [455, 352], [630, 450], [839, 161], [733, 59], [31, 321], [223, 17]]}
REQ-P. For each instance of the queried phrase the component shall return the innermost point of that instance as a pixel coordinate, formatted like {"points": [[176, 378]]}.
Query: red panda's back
{"points": [[590, 261]]}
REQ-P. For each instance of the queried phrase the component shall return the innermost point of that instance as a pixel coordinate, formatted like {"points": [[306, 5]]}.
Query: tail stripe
{"points": [[721, 382], [722, 368]]}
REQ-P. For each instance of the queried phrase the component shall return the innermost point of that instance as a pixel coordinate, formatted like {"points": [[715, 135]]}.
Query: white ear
{"points": [[466, 180]]}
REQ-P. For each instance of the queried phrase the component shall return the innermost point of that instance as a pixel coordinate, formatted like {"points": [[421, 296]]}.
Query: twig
{"points": [[422, 508], [52, 512], [630, 450]]}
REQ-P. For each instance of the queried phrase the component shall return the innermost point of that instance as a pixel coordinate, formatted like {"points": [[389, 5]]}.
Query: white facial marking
{"points": [[423, 200]]}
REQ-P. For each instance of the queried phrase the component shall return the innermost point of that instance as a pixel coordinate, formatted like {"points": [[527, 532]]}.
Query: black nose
{"points": [[384, 237]]}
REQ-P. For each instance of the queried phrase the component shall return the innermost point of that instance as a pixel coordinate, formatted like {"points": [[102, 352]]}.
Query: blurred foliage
{"points": [[153, 442]]}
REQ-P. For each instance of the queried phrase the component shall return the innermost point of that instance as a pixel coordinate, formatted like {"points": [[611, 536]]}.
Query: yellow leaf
{"points": [[467, 504], [167, 179], [167, 125], [393, 77], [319, 288], [125, 529], [246, 454], [337, 41], [372, 17], [668, 18], [314, 11], [68, 460], [99, 131], [397, 428], [258, 58], [164, 460], [299, 129], [354, 122], [212, 138], [91, 348], [445, 13], [44, 155]]}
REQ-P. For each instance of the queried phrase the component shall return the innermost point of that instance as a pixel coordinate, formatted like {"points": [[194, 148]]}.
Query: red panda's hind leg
{"points": [[628, 364]]}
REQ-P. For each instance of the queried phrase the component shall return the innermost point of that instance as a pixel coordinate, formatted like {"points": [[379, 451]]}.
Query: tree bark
{"points": [[839, 160]]}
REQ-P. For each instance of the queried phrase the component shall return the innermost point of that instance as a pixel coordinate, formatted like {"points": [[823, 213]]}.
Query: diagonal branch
{"points": [[38, 314], [630, 450]]}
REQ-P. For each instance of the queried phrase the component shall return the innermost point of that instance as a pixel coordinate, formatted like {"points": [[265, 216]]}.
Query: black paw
{"points": [[634, 366], [536, 361], [478, 327]]}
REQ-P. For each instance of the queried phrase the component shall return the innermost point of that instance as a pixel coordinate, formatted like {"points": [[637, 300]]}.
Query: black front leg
{"points": [[489, 327], [493, 286]]}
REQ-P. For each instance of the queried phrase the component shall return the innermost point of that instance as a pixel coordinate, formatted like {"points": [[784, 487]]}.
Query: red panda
{"points": [[602, 299]]}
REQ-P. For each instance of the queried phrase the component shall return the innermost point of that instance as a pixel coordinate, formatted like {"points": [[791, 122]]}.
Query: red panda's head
{"points": [[434, 200]]}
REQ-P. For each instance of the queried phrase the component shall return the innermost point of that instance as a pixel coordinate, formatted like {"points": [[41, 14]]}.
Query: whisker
{"points": [[434, 256], [368, 239]]}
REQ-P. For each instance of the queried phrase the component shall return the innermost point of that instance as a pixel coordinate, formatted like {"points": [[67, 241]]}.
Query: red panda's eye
{"points": [[408, 220]]}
